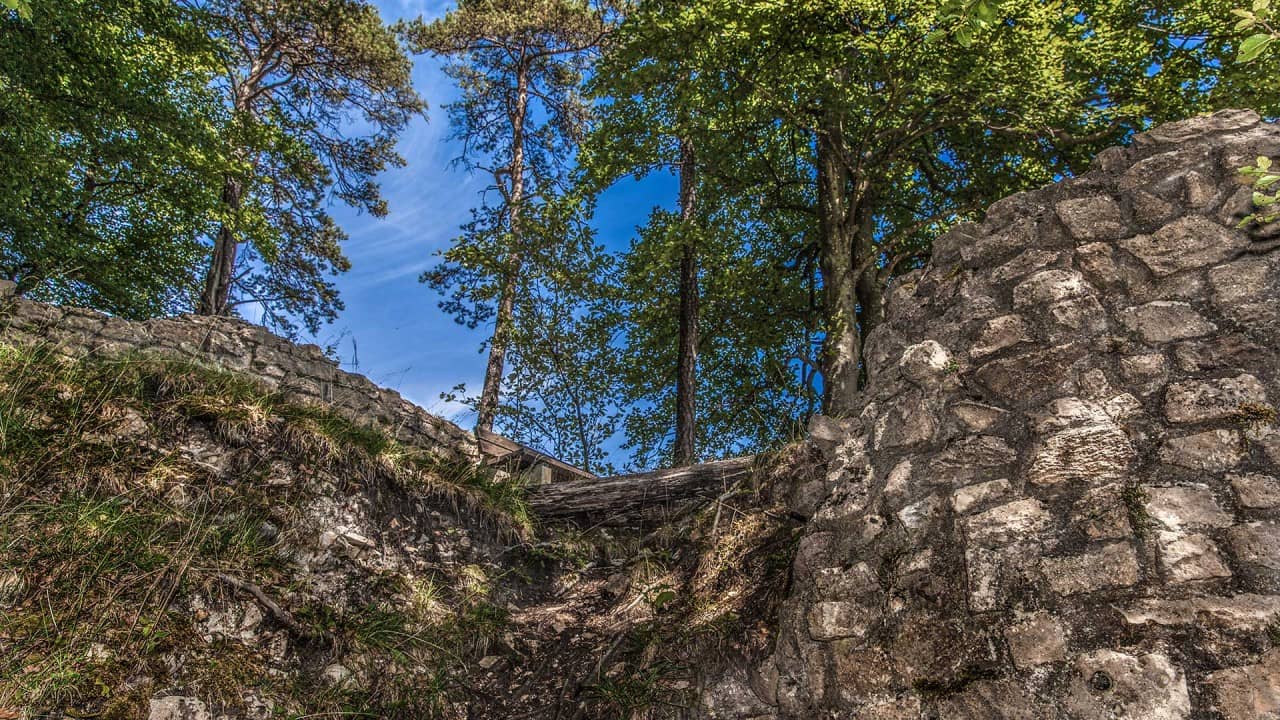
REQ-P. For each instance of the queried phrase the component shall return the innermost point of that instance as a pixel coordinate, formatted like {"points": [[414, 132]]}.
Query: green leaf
{"points": [[985, 12], [1253, 46], [662, 598], [22, 7], [1266, 181]]}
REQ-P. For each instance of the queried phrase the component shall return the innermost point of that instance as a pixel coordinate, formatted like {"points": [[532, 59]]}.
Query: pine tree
{"points": [[294, 72], [519, 65]]}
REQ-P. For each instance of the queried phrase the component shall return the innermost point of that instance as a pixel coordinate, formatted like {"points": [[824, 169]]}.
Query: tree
{"points": [[109, 134], [561, 391], [918, 118], [657, 115], [756, 332], [519, 65], [318, 91]]}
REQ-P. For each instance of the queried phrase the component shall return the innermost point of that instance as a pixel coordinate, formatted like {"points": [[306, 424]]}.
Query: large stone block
{"points": [[1079, 442], [1049, 287], [1185, 506], [834, 619], [1211, 451], [1248, 692], [996, 574], [1111, 685], [971, 496], [1093, 218], [1016, 521], [1221, 399], [1186, 244], [1255, 490], [1114, 565], [1164, 321], [999, 333], [1256, 544], [1036, 640], [1190, 556], [1243, 612], [908, 422]]}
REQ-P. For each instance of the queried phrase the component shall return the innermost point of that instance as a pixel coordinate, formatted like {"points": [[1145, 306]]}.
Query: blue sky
{"points": [[392, 324]]}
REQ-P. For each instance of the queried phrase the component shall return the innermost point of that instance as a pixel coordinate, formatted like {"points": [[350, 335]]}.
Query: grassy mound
{"points": [[130, 485]]}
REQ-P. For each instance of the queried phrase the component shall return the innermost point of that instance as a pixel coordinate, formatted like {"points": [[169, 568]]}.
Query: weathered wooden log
{"points": [[638, 499]]}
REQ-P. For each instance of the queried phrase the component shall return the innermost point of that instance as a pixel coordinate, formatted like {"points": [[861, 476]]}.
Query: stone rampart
{"points": [[302, 372]]}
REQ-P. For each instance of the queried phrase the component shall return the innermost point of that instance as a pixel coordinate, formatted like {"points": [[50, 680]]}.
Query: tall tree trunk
{"points": [[687, 353], [216, 297], [839, 218], [217, 282], [488, 408]]}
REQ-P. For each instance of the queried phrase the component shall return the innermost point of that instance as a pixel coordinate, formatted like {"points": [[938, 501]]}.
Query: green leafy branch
{"points": [[1261, 19], [1263, 178], [964, 18], [22, 7]]}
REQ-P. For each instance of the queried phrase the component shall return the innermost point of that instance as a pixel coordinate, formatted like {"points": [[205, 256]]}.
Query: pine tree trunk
{"points": [[687, 353], [839, 198], [216, 297], [217, 282], [488, 407]]}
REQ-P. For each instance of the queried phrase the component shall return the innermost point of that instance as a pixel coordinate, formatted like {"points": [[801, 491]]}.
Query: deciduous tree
{"points": [[919, 115], [111, 153]]}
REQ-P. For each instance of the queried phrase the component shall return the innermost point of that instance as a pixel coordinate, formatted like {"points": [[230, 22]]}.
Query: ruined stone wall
{"points": [[303, 372], [1061, 498]]}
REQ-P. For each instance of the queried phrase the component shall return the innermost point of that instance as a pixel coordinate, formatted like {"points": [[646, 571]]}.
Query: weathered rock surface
{"points": [[1092, 487], [302, 372], [1060, 499]]}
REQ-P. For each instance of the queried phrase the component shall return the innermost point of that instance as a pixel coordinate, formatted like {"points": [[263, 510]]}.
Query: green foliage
{"points": [[751, 235], [112, 155], [21, 7], [1263, 179], [1260, 22], [869, 129], [560, 391], [149, 126], [526, 257], [319, 92]]}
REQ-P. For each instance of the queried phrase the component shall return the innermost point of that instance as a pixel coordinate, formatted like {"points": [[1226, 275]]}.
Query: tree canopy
{"points": [[111, 152], [174, 155]]}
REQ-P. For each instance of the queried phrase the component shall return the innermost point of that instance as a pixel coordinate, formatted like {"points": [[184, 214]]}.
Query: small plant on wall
{"points": [[1263, 24], [1264, 179]]}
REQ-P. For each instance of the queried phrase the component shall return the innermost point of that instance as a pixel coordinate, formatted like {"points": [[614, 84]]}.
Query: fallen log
{"points": [[638, 499]]}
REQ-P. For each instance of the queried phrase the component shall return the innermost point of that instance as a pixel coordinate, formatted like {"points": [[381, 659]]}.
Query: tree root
{"points": [[282, 616]]}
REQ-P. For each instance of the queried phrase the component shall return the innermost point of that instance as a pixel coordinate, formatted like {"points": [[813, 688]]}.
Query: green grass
{"points": [[53, 414], [108, 527]]}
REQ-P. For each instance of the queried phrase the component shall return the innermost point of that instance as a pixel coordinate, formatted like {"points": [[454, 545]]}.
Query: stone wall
{"points": [[303, 372], [1061, 498]]}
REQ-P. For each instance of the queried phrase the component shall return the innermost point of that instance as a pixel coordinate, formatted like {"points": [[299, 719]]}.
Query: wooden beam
{"points": [[507, 454], [639, 499]]}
